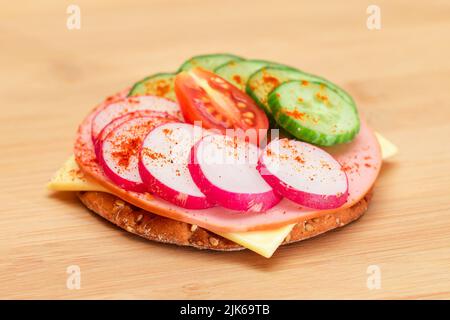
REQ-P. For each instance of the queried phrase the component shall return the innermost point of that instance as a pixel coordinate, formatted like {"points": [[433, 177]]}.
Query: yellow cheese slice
{"points": [[70, 178], [388, 149], [265, 243]]}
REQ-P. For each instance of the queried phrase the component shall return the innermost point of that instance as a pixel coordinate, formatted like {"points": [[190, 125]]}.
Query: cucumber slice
{"points": [[262, 82], [314, 112], [160, 84], [208, 61], [238, 72]]}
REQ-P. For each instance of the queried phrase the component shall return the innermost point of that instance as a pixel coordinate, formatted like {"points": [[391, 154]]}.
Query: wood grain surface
{"points": [[51, 77]]}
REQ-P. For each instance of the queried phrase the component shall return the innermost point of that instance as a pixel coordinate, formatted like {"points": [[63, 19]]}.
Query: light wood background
{"points": [[50, 78]]}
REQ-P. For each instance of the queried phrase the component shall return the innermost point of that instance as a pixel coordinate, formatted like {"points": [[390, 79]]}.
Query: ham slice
{"points": [[361, 159]]}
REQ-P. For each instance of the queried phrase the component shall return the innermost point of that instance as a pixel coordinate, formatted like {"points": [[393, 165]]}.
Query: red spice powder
{"points": [[321, 97], [295, 114], [237, 79], [299, 159], [76, 173], [152, 154], [162, 88], [346, 168], [270, 80], [133, 100], [126, 150], [167, 131]]}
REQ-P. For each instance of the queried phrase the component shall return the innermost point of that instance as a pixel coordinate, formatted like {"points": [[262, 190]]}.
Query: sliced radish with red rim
{"points": [[118, 108], [224, 168], [163, 165], [119, 151], [124, 118], [112, 99], [304, 174]]}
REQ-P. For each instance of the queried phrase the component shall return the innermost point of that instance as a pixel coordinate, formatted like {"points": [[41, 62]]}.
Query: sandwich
{"points": [[226, 154]]}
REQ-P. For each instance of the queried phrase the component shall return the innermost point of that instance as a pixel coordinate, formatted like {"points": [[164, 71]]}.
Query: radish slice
{"points": [[224, 168], [163, 165], [119, 152], [124, 118], [119, 108], [304, 174]]}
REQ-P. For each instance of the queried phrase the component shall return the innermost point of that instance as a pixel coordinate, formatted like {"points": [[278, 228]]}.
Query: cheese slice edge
{"points": [[70, 178]]}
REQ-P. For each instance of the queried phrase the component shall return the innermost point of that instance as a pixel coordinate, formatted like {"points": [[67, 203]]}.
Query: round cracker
{"points": [[161, 229]]}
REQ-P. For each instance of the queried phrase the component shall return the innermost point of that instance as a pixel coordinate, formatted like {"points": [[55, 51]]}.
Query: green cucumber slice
{"points": [[314, 112], [160, 84], [238, 72], [262, 82], [208, 61]]}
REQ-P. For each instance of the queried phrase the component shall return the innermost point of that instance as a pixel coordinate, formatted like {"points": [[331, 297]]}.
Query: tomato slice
{"points": [[204, 96]]}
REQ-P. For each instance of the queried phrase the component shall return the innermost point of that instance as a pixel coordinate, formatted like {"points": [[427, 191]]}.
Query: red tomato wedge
{"points": [[204, 96]]}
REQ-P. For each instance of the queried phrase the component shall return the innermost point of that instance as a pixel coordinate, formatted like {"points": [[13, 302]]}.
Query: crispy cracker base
{"points": [[161, 229]]}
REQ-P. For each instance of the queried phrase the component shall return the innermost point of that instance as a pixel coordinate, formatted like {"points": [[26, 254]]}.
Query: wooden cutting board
{"points": [[51, 77]]}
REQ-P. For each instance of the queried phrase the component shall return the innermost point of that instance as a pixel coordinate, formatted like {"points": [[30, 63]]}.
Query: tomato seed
{"points": [[218, 80], [248, 121]]}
